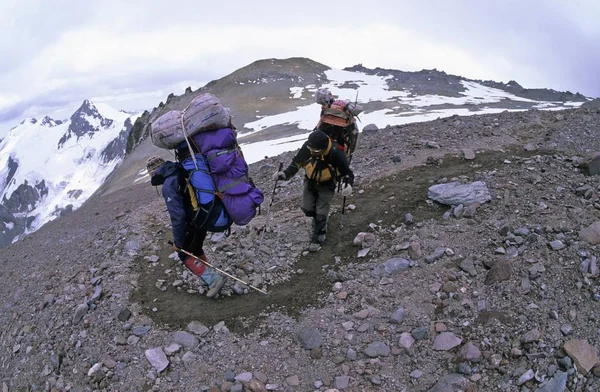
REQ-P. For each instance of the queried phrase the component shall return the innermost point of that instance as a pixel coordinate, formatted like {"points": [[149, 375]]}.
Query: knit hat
{"points": [[154, 163], [318, 140]]}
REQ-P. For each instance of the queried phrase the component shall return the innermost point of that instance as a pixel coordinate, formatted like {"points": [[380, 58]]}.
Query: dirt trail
{"points": [[178, 308]]}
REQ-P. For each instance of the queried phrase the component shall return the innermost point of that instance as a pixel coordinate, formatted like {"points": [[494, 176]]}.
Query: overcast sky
{"points": [[133, 54]]}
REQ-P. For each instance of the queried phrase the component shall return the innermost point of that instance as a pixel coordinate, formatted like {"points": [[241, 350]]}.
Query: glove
{"points": [[347, 190], [279, 176]]}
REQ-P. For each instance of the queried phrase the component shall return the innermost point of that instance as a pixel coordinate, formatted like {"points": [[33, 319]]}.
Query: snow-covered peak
{"points": [[87, 109], [48, 122], [28, 120], [88, 119], [49, 166]]}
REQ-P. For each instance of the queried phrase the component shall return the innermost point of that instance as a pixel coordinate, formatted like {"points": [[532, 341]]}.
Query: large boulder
{"points": [[370, 129], [593, 104], [591, 234], [591, 165], [455, 193]]}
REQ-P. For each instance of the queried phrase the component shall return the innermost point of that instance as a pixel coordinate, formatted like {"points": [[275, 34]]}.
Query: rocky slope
{"points": [[496, 297]]}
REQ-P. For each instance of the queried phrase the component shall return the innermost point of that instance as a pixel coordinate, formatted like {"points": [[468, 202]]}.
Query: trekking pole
{"points": [[344, 201], [262, 235], [220, 270]]}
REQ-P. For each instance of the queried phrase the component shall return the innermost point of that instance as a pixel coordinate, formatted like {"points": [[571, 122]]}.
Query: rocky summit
{"points": [[488, 283]]}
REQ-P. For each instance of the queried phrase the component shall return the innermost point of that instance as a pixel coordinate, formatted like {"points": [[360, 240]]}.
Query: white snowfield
{"points": [[75, 169], [375, 88]]}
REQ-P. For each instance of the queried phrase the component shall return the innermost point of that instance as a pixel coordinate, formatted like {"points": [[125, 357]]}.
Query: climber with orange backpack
{"points": [[324, 166], [338, 120]]}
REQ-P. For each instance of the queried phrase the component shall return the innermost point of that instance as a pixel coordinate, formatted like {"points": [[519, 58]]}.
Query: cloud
{"points": [[132, 52]]}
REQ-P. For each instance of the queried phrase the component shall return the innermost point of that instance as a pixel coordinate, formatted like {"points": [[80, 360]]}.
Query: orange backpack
{"points": [[337, 113]]}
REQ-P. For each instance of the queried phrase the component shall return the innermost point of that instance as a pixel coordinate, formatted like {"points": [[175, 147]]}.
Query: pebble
{"points": [[361, 315], [293, 381], [244, 377], [342, 382], [377, 349]]}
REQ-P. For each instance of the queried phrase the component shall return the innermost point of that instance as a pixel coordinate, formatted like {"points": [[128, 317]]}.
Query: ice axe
{"points": [[219, 270]]}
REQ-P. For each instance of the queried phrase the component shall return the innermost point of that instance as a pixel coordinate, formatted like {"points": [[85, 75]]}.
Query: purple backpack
{"points": [[229, 171]]}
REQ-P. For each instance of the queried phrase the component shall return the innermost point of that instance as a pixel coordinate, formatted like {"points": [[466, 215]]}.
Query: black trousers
{"points": [[193, 242]]}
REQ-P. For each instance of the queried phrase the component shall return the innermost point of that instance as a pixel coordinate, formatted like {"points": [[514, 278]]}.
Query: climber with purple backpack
{"points": [[208, 188]]}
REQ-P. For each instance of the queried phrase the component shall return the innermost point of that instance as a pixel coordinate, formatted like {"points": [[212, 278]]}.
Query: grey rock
{"points": [[531, 336], [351, 355], [557, 245], [420, 333], [436, 255], [446, 341], [244, 377], [591, 234], [500, 272], [124, 315], [237, 387], [342, 382], [455, 193], [397, 316], [229, 375], [536, 270], [391, 267], [467, 154], [565, 363], [406, 340], [464, 368], [157, 358], [458, 211], [185, 339], [141, 330], [309, 337], [470, 352], [528, 375], [414, 250], [591, 165], [80, 311], [198, 328], [370, 129], [132, 247], [584, 267], [558, 383], [566, 329], [468, 265], [377, 349], [451, 383]]}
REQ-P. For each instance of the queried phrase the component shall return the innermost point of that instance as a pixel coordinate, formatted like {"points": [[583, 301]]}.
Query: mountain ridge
{"points": [[276, 76], [51, 166]]}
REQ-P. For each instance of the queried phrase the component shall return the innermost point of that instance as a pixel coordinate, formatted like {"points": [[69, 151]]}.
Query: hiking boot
{"points": [[314, 247], [321, 239], [215, 288]]}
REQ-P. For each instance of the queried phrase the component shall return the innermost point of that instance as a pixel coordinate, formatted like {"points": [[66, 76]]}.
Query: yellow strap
{"points": [[193, 198]]}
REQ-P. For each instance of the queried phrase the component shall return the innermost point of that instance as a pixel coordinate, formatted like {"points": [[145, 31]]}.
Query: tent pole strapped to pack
{"points": [[186, 137]]}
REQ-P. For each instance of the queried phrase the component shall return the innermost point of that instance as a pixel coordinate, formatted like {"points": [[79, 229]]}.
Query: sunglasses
{"points": [[315, 150]]}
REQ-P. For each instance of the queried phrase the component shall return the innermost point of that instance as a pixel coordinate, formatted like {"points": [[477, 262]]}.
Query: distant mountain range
{"points": [[273, 99], [50, 167]]}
